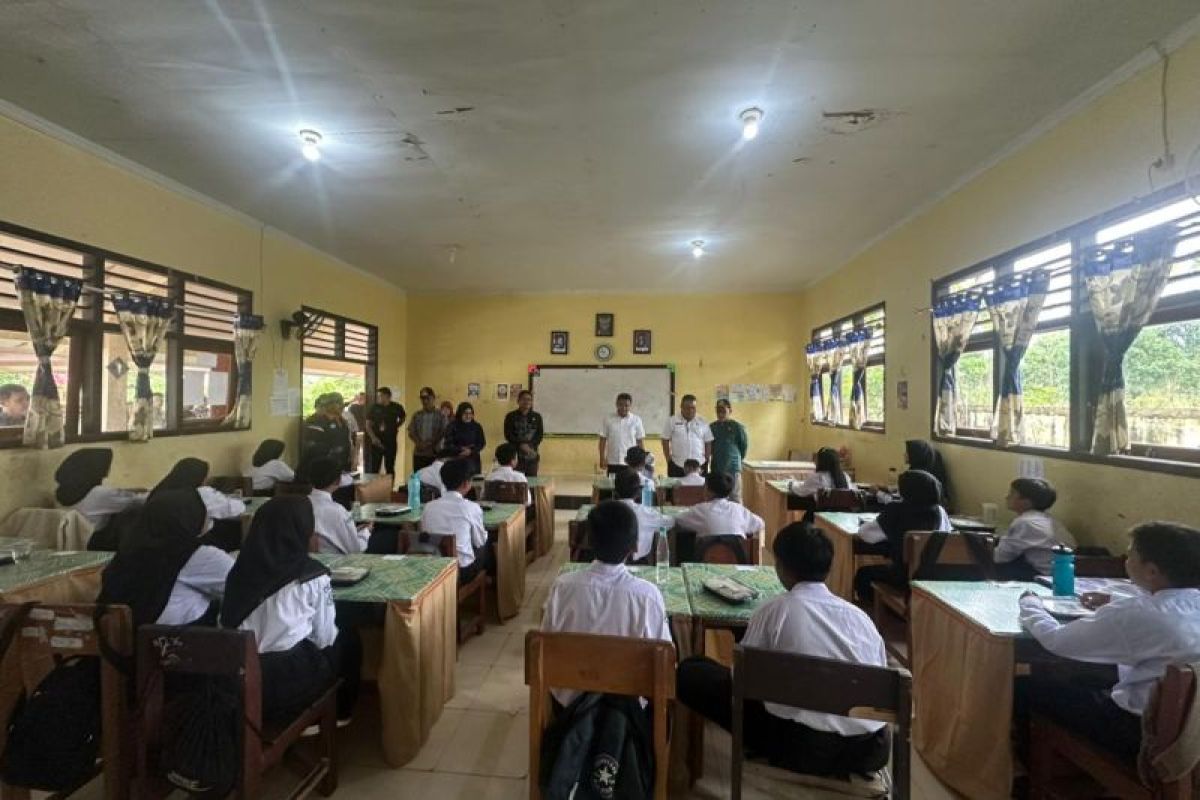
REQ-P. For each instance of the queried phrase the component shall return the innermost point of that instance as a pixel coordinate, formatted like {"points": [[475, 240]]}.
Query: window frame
{"points": [[86, 341], [856, 320], [370, 365], [1085, 350]]}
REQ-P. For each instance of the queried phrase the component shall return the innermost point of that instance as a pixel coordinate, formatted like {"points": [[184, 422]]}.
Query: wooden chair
{"points": [[1053, 750], [826, 686], [727, 549], [607, 664], [164, 650], [517, 493], [687, 495], [232, 484], [283, 488], [848, 500], [376, 490], [50, 528], [476, 589], [1089, 566], [68, 631]]}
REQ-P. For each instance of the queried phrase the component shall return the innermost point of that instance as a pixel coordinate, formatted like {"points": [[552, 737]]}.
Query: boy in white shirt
{"points": [[506, 468], [606, 598], [718, 518], [1027, 549], [454, 515], [638, 460], [618, 433], [1141, 635], [627, 486], [808, 620], [335, 528], [431, 475], [691, 474]]}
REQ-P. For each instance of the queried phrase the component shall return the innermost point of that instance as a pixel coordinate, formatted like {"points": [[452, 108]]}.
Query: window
{"points": [[1060, 367], [339, 356], [870, 323], [192, 377]]}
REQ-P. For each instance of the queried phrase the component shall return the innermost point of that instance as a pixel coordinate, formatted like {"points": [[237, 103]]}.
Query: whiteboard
{"points": [[577, 399]]}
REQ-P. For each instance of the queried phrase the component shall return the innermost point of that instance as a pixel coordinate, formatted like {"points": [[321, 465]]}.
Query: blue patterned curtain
{"points": [[48, 302], [858, 346], [813, 355], [144, 322], [246, 330], [953, 320], [835, 356], [1014, 308], [1124, 281]]}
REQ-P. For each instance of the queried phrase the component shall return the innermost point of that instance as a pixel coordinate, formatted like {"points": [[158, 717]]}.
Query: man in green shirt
{"points": [[730, 443]]}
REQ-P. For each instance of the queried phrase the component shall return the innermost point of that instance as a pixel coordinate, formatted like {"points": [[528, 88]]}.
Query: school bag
{"points": [[201, 751], [600, 748]]}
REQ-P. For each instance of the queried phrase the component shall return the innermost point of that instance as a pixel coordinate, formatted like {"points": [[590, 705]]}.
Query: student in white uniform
{"points": [[717, 519], [431, 475], [267, 467], [917, 510], [638, 460], [224, 527], [686, 436], [606, 598], [161, 570], [80, 478], [285, 598], [506, 468], [452, 514], [808, 620], [691, 473], [1141, 635], [827, 476], [618, 433], [627, 486], [336, 531], [1027, 549]]}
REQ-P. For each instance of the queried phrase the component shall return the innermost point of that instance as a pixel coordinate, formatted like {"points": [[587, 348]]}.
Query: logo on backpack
{"points": [[604, 775]]}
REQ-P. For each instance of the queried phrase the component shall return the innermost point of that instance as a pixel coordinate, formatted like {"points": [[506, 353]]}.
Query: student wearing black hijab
{"points": [[161, 569], [278, 591], [267, 468], [920, 455], [80, 478], [917, 510], [224, 528]]}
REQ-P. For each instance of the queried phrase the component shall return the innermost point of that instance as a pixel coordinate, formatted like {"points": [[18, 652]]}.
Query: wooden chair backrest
{"points": [[409, 536], [955, 552], [506, 491], [376, 490], [1100, 566], [606, 664], [727, 549], [293, 488], [849, 500], [229, 484], [826, 686], [687, 495], [1170, 706]]}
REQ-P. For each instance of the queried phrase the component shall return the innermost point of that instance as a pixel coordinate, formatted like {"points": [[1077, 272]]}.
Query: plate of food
{"points": [[347, 576]]}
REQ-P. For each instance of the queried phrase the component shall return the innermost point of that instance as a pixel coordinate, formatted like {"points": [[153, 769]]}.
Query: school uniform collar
{"points": [[810, 588], [323, 495], [451, 493], [607, 570]]}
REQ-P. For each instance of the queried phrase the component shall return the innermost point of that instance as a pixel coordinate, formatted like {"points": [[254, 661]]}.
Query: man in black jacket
{"points": [[326, 434], [524, 430], [384, 421]]}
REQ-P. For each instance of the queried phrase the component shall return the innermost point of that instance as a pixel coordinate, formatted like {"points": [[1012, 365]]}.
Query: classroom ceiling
{"points": [[526, 145]]}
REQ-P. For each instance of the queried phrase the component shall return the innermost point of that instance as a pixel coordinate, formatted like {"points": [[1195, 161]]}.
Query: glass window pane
{"points": [[18, 365], [207, 385], [875, 394], [118, 385], [847, 377], [975, 393], [1162, 385], [1046, 383], [1141, 222]]}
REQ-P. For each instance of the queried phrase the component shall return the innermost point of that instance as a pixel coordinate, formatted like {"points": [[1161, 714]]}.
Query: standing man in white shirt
{"points": [[1141, 635], [685, 437], [618, 433], [808, 620], [452, 514], [335, 528]]}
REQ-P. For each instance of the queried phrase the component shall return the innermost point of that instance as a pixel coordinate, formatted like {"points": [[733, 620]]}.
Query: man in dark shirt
{"points": [[384, 421], [524, 430], [326, 434]]}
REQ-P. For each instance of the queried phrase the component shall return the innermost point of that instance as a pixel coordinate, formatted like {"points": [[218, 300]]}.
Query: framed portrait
{"points": [[641, 342], [604, 324], [472, 391], [559, 343], [502, 391]]}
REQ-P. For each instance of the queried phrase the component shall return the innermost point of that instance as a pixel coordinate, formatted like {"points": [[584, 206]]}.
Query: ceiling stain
{"points": [[853, 121], [456, 110]]}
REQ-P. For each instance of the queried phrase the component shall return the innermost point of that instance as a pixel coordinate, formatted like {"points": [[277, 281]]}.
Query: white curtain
{"points": [[144, 322], [1014, 308], [48, 302], [813, 355], [835, 356], [858, 346], [953, 320], [247, 328]]}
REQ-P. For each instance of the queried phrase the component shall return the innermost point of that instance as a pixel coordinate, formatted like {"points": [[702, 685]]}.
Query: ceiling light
{"points": [[698, 248], [751, 119], [309, 148]]}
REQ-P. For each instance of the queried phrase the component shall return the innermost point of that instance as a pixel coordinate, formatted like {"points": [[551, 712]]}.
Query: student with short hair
{"points": [[453, 514], [827, 476], [808, 620], [618, 433], [14, 404], [918, 509], [627, 487], [267, 467], [606, 598], [506, 468], [1026, 550], [431, 474], [691, 473], [718, 515], [1140, 634], [336, 532], [638, 460]]}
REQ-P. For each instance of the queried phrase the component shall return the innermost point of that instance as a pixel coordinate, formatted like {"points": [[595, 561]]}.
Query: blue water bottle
{"points": [[414, 492], [647, 495], [1062, 570]]}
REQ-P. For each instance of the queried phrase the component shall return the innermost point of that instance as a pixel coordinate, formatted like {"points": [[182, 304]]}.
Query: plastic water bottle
{"points": [[647, 495], [414, 492], [1062, 571], [662, 555]]}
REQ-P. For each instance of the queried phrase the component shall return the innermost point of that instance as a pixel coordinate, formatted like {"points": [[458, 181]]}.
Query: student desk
{"points": [[841, 528], [54, 576], [577, 529], [775, 512], [542, 491], [602, 489], [756, 474], [966, 643], [415, 670]]}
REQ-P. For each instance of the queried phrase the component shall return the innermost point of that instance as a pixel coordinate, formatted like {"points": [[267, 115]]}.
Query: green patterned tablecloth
{"points": [[711, 608], [672, 587], [366, 513], [798, 465], [499, 514], [850, 523], [46, 564], [534, 483], [605, 483], [392, 578], [991, 605], [670, 511]]}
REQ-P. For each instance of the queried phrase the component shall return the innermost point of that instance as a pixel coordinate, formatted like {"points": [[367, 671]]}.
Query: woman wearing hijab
{"points": [[267, 468], [828, 475], [920, 455], [285, 597], [917, 510], [80, 478], [224, 527], [465, 436], [161, 569]]}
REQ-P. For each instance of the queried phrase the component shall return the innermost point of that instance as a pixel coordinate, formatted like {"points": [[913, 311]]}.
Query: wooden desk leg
{"points": [[695, 760]]}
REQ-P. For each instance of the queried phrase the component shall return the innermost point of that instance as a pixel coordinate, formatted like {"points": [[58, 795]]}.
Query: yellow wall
{"points": [[711, 339], [1094, 161], [57, 188]]}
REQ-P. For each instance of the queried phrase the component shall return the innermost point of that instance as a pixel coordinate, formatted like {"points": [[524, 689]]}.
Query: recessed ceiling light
{"points": [[310, 140], [751, 120], [698, 248]]}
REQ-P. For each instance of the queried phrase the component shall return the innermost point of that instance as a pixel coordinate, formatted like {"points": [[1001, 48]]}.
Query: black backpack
{"points": [[202, 749], [600, 748]]}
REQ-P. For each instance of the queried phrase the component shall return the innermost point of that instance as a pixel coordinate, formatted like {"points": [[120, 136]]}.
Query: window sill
{"points": [[14, 443], [1122, 461], [867, 428]]}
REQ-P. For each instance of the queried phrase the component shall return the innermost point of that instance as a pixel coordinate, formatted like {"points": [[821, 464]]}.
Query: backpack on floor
{"points": [[600, 748], [202, 748]]}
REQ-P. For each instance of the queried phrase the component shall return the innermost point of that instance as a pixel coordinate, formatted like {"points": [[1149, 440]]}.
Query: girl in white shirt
{"points": [[80, 478], [828, 476], [281, 594], [267, 467]]}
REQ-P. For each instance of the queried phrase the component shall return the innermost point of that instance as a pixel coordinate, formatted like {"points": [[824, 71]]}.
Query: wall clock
{"points": [[604, 352]]}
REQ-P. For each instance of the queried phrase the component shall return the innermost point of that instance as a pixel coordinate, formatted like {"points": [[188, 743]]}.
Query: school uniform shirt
{"points": [[335, 528], [1033, 535], [608, 600], [1140, 634], [269, 474], [720, 517], [687, 438], [220, 505], [812, 484], [507, 474], [432, 475], [296, 612], [649, 521], [810, 620], [620, 433], [871, 533], [692, 479], [102, 503], [453, 514], [201, 581]]}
